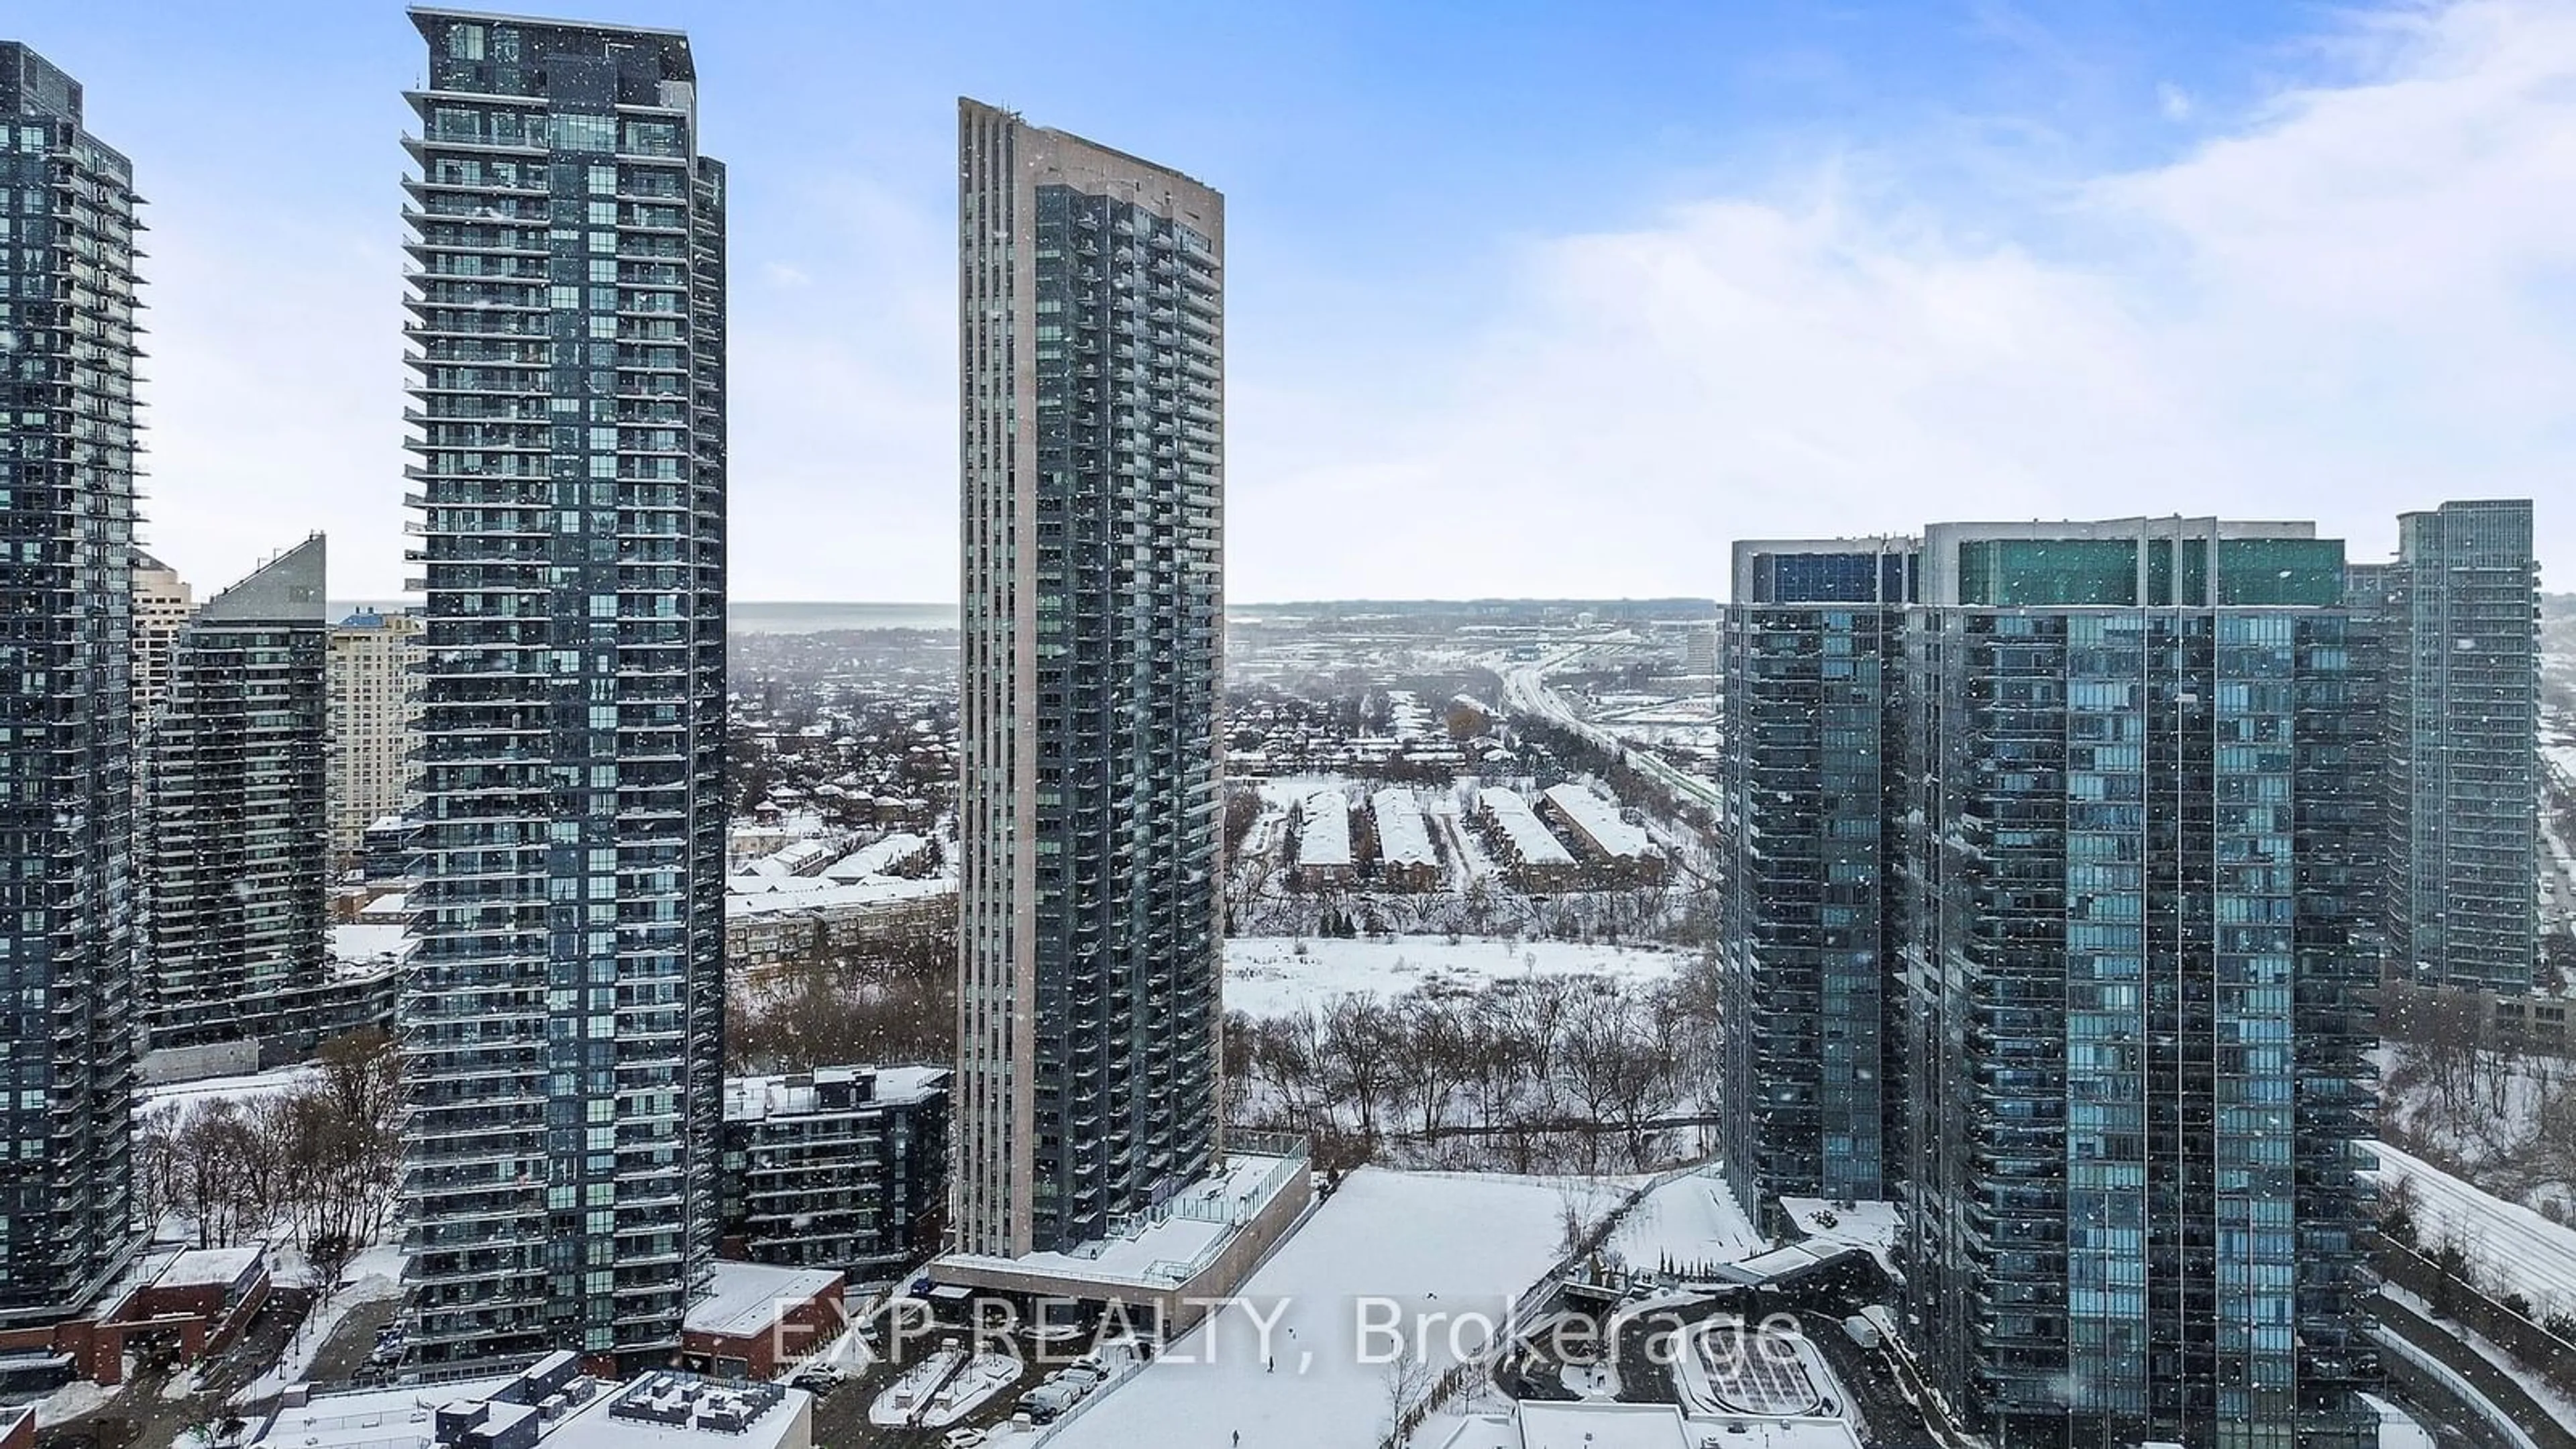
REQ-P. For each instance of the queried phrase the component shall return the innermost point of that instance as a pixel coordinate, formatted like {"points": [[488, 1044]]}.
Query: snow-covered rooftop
{"points": [[406, 1418], [1871, 1225], [800, 857], [1403, 837], [752, 1099], [236, 1089], [1520, 825], [1168, 1250], [367, 941], [1602, 1426], [1324, 837], [874, 891], [1425, 1242], [1598, 818], [403, 1418], [746, 1298], [879, 859], [210, 1267]]}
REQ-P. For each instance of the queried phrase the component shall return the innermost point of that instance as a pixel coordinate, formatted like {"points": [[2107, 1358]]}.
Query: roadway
{"points": [[1525, 688]]}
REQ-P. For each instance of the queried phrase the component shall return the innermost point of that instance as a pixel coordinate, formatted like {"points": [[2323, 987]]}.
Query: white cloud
{"points": [[2355, 300], [2173, 101], [2354, 305]]}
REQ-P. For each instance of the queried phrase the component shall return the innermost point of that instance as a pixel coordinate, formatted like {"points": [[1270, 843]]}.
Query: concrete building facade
{"points": [[376, 658], [162, 603], [1091, 361]]}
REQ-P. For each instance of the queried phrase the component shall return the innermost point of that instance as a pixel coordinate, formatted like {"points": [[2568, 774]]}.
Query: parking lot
{"points": [[841, 1414]]}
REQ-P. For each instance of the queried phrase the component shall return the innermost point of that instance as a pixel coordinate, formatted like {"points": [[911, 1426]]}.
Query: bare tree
{"points": [[1356, 1037], [1406, 1380]]}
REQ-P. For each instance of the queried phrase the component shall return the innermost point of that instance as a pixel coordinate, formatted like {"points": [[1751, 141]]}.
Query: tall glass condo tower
{"points": [[67, 466], [1091, 434], [2137, 855], [563, 1011]]}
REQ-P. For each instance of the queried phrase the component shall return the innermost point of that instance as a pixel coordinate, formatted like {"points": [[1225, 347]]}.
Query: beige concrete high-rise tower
{"points": [[375, 722], [162, 603], [1091, 438]]}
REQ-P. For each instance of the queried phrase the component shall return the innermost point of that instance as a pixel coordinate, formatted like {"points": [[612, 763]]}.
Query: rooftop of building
{"points": [[427, 18], [287, 589], [1403, 835], [210, 1267], [969, 105], [1324, 829], [663, 1408], [1165, 1247], [1536, 1425], [773, 894], [749, 1298], [754, 1099], [1512, 815], [1598, 817]]}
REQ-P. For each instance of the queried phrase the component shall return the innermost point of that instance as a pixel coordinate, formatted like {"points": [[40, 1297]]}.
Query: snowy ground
{"points": [[1404, 1236], [236, 1089], [1265, 976], [1870, 1225], [1688, 1223], [988, 1374], [902, 1397], [2542, 1391], [372, 1277], [2509, 1247]]}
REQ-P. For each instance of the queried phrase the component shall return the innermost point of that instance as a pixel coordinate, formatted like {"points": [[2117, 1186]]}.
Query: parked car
{"points": [[1048, 1401], [962, 1439]]}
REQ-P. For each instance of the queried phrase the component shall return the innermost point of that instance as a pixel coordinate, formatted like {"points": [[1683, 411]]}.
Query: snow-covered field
{"points": [[1689, 1222], [1422, 1243], [2508, 1245], [233, 1089], [1265, 976]]}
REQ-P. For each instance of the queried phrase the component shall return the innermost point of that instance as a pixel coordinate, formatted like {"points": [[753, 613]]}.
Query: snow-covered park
{"points": [[1272, 976]]}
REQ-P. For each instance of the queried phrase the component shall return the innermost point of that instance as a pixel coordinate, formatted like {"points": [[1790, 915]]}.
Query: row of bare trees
{"points": [[884, 996], [2486, 1100], [1259, 902], [1530, 1073], [314, 1163]]}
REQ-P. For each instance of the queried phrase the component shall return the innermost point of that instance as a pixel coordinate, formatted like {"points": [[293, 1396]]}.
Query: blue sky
{"points": [[1523, 298]]}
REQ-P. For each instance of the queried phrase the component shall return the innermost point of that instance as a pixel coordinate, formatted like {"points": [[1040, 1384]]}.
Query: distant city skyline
{"points": [[1551, 304]]}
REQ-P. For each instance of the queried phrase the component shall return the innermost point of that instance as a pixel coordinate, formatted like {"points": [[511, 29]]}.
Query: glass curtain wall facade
{"points": [[67, 510], [562, 1014], [1091, 397], [2135, 999], [1809, 651], [2461, 641], [235, 925]]}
